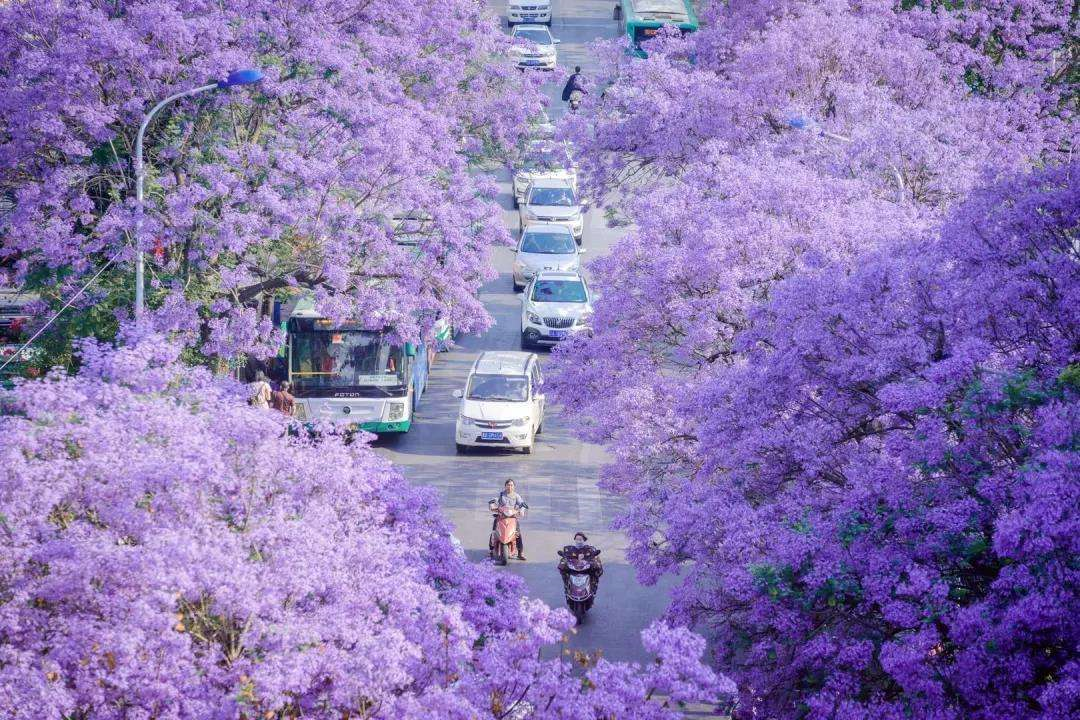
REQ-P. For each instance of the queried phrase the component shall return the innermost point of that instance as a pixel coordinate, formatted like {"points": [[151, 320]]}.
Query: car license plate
{"points": [[530, 16], [531, 62], [491, 436], [558, 334]]}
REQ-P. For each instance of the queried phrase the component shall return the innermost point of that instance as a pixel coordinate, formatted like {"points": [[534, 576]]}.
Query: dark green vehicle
{"points": [[644, 18]]}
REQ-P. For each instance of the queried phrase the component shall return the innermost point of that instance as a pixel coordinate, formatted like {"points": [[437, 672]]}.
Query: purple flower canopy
{"points": [[365, 113], [836, 364], [170, 552]]}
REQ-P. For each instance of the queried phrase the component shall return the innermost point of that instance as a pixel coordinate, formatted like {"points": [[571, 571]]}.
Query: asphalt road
{"points": [[559, 480]]}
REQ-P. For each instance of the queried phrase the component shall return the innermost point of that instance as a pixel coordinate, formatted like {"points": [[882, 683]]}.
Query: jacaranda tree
{"points": [[369, 112], [167, 551], [797, 394]]}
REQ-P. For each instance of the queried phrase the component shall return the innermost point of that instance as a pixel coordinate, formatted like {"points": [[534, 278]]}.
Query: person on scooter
{"points": [[510, 498], [575, 83], [582, 547]]}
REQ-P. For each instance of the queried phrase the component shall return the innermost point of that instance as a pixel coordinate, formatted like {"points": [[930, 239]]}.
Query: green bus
{"points": [[643, 18]]}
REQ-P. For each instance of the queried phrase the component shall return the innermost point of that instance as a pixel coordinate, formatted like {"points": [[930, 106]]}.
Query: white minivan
{"points": [[528, 11], [502, 404]]}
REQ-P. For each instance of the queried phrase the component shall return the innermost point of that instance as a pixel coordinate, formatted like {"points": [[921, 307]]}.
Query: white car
{"points": [[503, 402], [553, 200], [528, 11], [555, 305], [545, 247], [546, 160], [534, 47], [541, 127]]}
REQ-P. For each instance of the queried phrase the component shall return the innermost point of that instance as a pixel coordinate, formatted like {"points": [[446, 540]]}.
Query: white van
{"points": [[528, 11], [502, 404]]}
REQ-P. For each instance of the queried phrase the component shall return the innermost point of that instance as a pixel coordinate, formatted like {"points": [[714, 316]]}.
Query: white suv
{"points": [[553, 200], [545, 247], [542, 159], [530, 11], [555, 305], [503, 402]]}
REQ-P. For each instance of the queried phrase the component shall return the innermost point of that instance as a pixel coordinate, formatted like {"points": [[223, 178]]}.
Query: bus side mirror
{"points": [[410, 349]]}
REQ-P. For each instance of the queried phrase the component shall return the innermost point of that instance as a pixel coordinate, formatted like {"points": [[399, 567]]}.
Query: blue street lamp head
{"points": [[241, 77]]}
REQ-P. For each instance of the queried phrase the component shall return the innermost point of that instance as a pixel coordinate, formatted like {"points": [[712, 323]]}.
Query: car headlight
{"points": [[534, 318], [521, 422], [397, 411], [464, 420], [583, 319]]}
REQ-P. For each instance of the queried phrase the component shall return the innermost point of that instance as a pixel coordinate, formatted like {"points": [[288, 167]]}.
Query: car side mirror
{"points": [[458, 394], [582, 251], [556, 40]]}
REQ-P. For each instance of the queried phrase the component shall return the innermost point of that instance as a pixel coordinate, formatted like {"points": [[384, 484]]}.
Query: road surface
{"points": [[559, 480]]}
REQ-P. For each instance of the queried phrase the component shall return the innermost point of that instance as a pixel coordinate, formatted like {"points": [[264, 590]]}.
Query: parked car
{"points": [[528, 11], [502, 404], [553, 200], [543, 159], [534, 47], [545, 247], [555, 305]]}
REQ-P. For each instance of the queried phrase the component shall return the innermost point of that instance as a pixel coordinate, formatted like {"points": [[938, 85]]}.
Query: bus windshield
{"points": [[342, 362]]}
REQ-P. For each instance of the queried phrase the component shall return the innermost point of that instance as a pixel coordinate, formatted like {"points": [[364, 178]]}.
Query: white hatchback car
{"points": [[534, 47], [555, 305], [530, 11], [553, 200], [545, 247], [503, 402]]}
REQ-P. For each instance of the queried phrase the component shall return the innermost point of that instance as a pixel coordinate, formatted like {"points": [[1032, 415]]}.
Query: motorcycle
{"points": [[580, 578], [575, 100], [502, 544]]}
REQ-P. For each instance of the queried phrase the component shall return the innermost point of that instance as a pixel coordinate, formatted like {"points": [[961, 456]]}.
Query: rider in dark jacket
{"points": [[581, 546], [575, 82]]}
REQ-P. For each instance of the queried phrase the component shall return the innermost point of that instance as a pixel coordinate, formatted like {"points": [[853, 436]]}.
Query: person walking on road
{"points": [[282, 399], [260, 391]]}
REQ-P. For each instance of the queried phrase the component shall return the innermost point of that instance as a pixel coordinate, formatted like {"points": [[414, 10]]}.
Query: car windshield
{"points": [[510, 388], [547, 243], [540, 37], [561, 197], [567, 291]]}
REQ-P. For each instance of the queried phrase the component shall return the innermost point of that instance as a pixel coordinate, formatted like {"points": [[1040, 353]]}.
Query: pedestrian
{"points": [[282, 399], [260, 391]]}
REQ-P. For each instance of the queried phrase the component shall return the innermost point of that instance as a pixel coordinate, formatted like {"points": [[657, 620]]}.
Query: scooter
{"points": [[502, 544], [580, 579], [575, 100]]}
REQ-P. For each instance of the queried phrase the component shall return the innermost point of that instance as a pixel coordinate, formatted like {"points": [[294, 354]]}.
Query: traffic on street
{"points": [[558, 478]]}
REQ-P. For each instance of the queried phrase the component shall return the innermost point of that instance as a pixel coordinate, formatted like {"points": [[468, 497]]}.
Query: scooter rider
{"points": [[581, 547], [510, 498], [575, 82]]}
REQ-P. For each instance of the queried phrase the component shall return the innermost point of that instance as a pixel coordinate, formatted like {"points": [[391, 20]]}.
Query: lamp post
{"points": [[238, 77], [807, 125]]}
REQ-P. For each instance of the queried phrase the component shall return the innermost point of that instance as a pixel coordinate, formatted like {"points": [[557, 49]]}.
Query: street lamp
{"points": [[235, 78], [805, 124]]}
